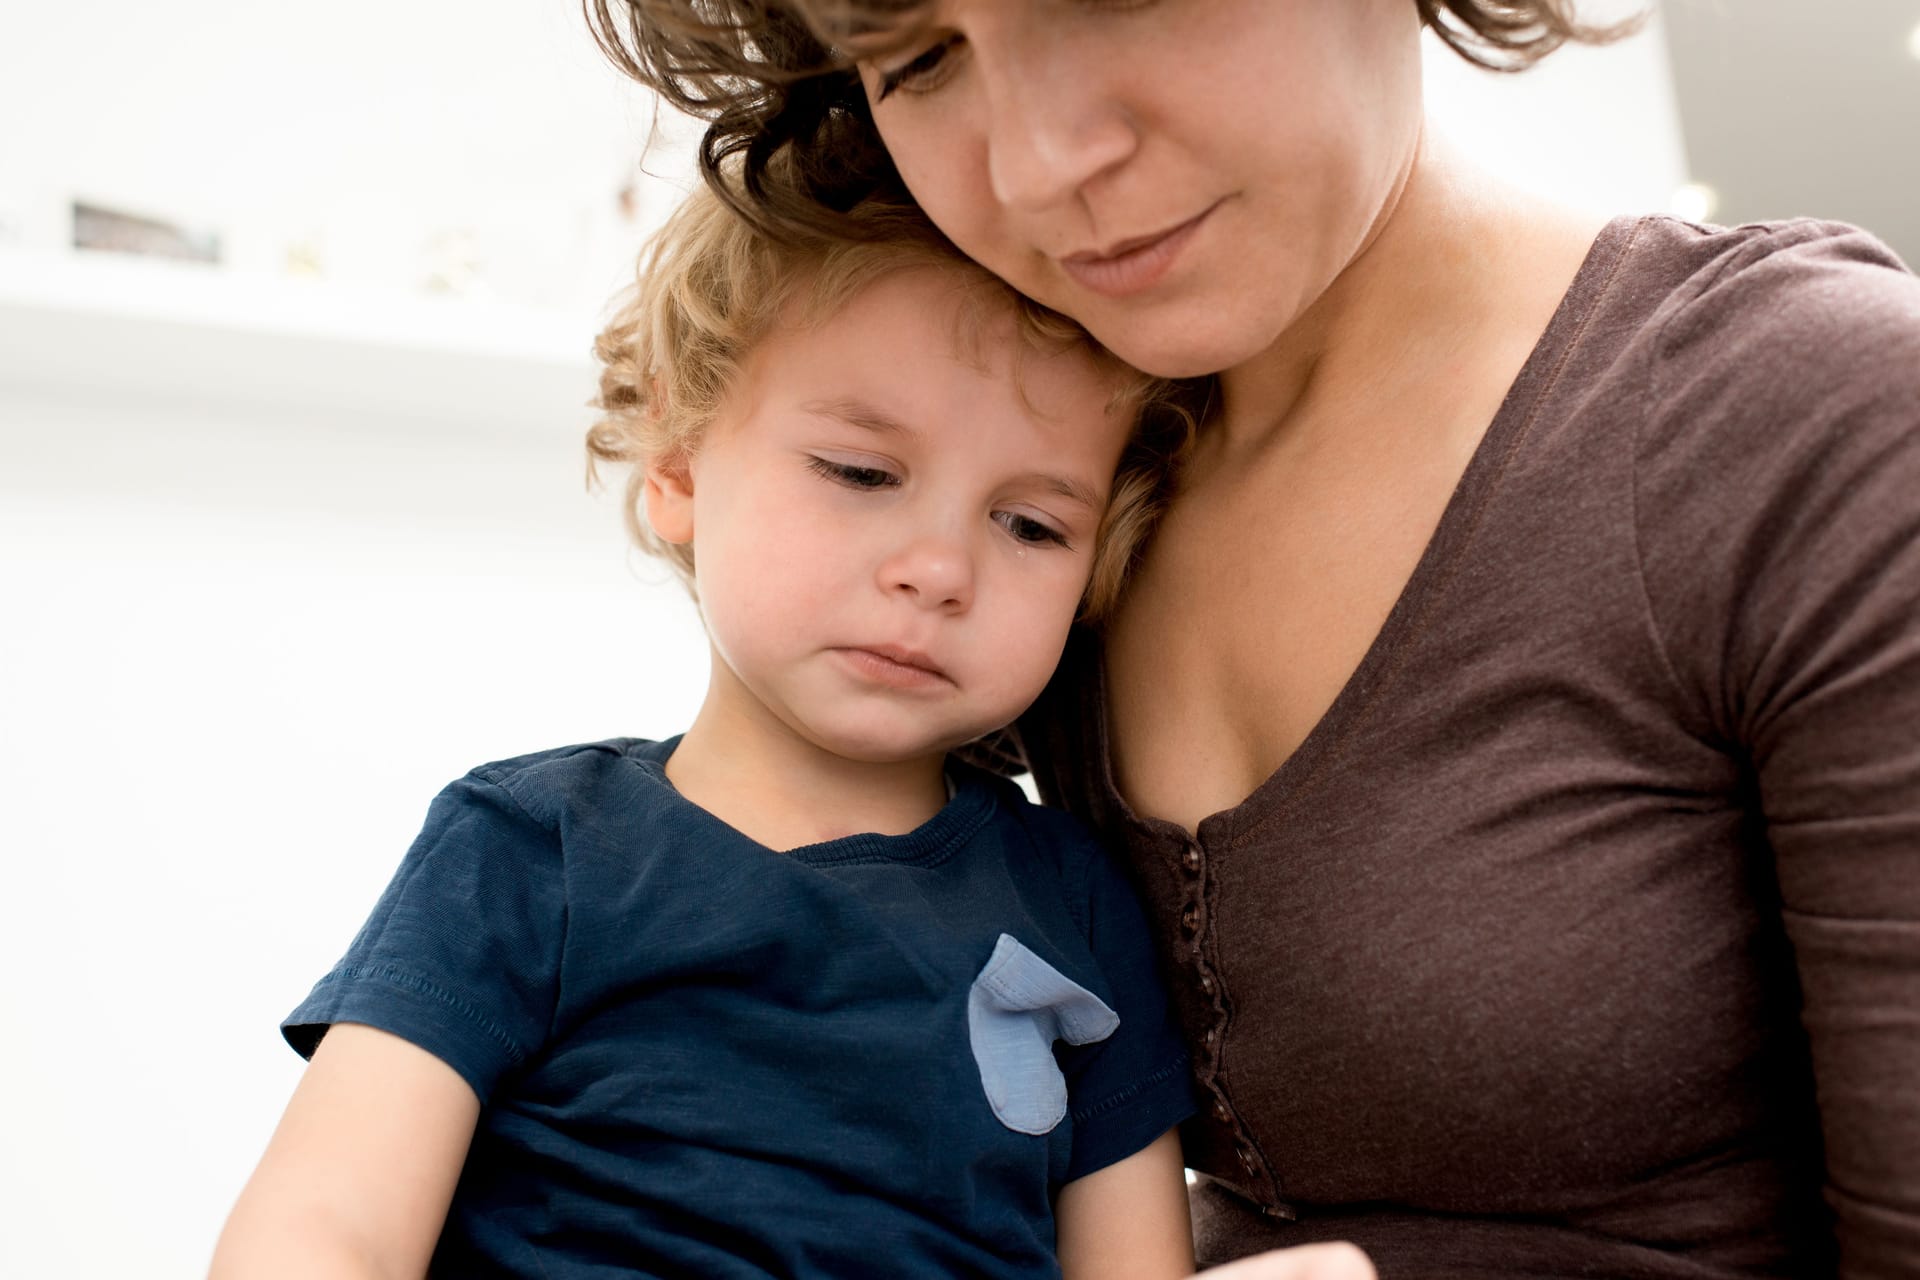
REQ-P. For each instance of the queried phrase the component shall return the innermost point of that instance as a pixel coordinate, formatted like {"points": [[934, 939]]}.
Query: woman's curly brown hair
{"points": [[765, 76]]}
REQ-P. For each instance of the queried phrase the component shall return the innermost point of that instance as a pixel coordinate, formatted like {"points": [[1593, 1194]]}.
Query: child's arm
{"points": [[1128, 1221], [357, 1179]]}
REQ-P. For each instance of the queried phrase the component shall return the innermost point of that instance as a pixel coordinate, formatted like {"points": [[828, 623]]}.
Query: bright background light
{"points": [[1695, 202]]}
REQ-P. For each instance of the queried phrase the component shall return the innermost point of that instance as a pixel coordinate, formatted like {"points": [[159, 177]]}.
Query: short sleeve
{"points": [[1128, 1089], [1779, 502], [461, 955]]}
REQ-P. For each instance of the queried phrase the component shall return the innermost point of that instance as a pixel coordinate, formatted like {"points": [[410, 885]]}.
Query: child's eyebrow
{"points": [[1072, 490], [858, 413]]}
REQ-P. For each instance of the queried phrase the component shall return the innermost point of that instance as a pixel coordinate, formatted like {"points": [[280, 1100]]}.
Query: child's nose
{"points": [[934, 572]]}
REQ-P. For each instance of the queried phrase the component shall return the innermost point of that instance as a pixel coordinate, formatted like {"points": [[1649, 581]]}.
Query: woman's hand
{"points": [[1308, 1262]]}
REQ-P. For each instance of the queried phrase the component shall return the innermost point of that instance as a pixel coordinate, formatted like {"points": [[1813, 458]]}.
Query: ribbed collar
{"points": [[928, 845]]}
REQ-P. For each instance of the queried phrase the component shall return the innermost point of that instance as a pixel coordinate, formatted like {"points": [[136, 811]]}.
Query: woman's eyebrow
{"points": [[882, 37]]}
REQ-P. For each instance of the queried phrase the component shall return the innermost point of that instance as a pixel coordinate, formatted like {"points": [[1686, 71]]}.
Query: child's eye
{"points": [[1028, 530], [853, 475], [922, 73]]}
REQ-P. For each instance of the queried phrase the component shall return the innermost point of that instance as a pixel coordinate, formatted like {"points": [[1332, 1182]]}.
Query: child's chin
{"points": [[878, 747]]}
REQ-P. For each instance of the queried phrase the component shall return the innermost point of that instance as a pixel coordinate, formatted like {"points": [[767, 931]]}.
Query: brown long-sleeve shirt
{"points": [[1582, 936]]}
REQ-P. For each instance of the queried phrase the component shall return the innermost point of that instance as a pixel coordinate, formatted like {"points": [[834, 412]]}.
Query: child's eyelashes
{"points": [[853, 474], [1025, 528]]}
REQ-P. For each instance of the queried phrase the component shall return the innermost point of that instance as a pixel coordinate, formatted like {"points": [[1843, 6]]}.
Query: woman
{"points": [[1512, 723]]}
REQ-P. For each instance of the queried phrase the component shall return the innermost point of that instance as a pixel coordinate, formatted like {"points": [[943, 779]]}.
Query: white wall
{"points": [[265, 586], [358, 131], [241, 651], [1596, 127]]}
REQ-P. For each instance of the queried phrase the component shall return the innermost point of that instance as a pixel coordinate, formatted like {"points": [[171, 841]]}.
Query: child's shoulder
{"points": [[548, 784], [555, 762], [1016, 805], [1058, 837]]}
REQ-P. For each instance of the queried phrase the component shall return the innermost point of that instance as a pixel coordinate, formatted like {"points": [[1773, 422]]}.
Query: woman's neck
{"points": [[1456, 261]]}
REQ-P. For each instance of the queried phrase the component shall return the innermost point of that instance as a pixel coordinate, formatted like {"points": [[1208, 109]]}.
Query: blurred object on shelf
{"points": [[306, 257], [453, 264], [117, 231]]}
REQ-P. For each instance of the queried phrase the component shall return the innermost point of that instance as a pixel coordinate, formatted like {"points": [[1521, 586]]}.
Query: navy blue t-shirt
{"points": [[700, 1057]]}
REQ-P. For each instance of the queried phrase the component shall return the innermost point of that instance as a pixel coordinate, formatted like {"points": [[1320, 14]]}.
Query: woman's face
{"points": [[1184, 177]]}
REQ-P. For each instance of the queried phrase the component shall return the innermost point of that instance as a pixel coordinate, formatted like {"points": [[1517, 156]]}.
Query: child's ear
{"points": [[669, 498]]}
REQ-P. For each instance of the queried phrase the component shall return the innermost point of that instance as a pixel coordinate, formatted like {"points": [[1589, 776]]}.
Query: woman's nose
{"points": [[932, 572], [1052, 125]]}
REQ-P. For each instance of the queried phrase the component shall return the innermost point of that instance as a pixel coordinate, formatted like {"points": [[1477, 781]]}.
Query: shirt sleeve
{"points": [[1124, 1091], [1779, 504], [461, 955]]}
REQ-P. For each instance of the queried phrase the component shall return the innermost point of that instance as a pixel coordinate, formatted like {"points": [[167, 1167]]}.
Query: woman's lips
{"points": [[894, 668], [1133, 265]]}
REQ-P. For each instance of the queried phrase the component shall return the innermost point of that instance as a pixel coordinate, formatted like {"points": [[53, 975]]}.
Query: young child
{"points": [[793, 994]]}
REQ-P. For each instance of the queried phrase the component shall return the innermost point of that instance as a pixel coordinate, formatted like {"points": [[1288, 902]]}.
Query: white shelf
{"points": [[119, 327]]}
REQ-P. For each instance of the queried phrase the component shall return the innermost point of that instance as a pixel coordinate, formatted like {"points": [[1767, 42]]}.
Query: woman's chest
{"points": [[1200, 711], [1501, 941], [1258, 599]]}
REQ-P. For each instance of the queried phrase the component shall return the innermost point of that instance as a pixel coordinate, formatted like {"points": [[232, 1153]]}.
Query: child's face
{"points": [[891, 538]]}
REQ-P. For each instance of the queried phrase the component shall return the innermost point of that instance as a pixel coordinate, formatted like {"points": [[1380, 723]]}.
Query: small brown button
{"points": [[1220, 1111], [1190, 918], [1206, 983], [1192, 857], [1246, 1160], [1210, 1036]]}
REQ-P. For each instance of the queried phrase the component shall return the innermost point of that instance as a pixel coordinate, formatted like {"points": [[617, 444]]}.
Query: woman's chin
{"points": [[1188, 337], [1175, 352]]}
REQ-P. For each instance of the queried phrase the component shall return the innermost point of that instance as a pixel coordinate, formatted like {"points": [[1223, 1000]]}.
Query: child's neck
{"points": [[782, 791]]}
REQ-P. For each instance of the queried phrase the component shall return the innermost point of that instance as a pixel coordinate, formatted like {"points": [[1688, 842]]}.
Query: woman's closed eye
{"points": [[854, 475], [1030, 531], [923, 72]]}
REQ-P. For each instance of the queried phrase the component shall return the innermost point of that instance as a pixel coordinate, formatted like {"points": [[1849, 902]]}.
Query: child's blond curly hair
{"points": [[711, 286]]}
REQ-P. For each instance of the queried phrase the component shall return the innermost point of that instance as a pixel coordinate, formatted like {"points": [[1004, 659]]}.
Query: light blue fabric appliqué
{"points": [[1016, 1009]]}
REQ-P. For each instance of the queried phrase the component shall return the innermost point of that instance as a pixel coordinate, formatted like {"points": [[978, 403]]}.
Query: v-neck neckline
{"points": [[1269, 801]]}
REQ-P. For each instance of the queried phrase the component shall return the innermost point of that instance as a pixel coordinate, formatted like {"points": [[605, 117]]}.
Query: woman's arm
{"points": [[1780, 552], [1128, 1221], [357, 1179]]}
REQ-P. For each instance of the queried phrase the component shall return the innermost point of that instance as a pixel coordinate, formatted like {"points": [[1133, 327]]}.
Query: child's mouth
{"points": [[895, 667]]}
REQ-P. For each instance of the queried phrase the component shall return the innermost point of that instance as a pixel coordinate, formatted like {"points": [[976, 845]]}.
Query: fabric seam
{"points": [[421, 986], [1132, 1091], [1437, 592]]}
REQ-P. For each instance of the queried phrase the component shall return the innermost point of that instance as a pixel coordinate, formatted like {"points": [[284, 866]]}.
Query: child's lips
{"points": [[895, 666]]}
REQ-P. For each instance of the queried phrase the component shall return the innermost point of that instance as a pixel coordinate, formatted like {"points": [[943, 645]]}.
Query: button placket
{"points": [[1195, 924], [1193, 860]]}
